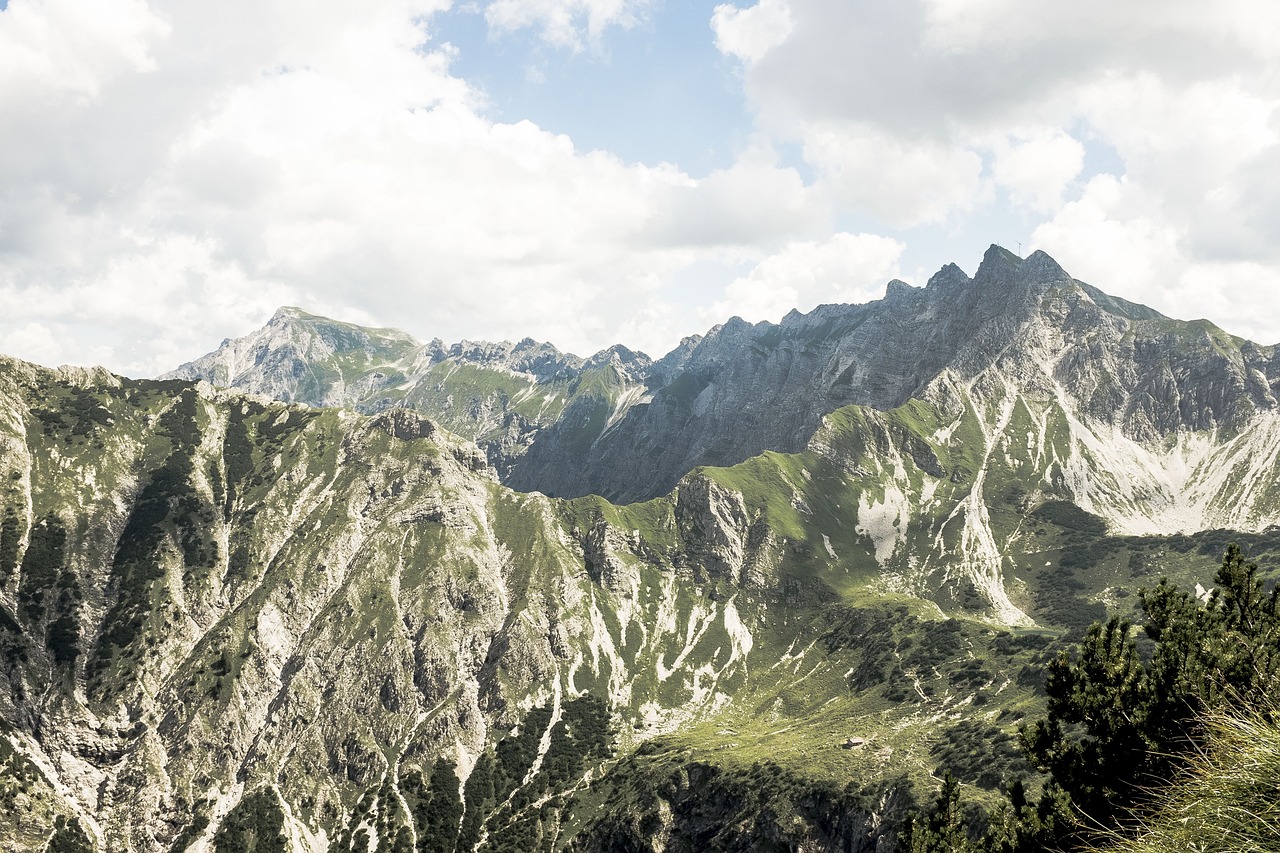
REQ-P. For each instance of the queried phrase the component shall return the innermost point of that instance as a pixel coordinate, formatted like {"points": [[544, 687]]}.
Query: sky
{"points": [[591, 172]]}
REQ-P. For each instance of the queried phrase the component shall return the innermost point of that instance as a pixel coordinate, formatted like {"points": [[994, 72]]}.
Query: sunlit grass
{"points": [[1229, 800]]}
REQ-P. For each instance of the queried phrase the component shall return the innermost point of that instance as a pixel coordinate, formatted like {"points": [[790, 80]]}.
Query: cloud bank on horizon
{"points": [[591, 172]]}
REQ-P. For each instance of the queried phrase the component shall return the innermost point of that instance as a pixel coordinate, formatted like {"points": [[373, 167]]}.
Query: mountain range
{"points": [[329, 588]]}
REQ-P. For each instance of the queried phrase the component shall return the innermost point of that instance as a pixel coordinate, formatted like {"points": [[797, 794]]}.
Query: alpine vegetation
{"points": [[332, 589]]}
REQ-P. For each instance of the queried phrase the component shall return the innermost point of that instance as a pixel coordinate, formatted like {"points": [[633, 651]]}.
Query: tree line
{"points": [[1130, 715]]}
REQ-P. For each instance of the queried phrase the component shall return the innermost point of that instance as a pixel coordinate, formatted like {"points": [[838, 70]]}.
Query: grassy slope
{"points": [[842, 645], [1226, 802]]}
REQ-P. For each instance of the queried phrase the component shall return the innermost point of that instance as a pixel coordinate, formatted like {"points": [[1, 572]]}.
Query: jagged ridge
{"points": [[627, 428]]}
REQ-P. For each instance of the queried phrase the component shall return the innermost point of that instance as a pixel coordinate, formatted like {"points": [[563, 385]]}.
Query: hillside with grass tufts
{"points": [[332, 622]]}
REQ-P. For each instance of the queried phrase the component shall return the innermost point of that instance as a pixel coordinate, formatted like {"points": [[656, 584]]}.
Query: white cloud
{"points": [[847, 268], [749, 33], [1097, 240], [564, 23], [755, 201], [73, 47], [1038, 168], [169, 173], [36, 341], [323, 157], [899, 180], [329, 157], [1106, 239], [1143, 138]]}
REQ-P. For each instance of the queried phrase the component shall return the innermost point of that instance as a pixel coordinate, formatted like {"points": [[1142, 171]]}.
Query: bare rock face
{"points": [[744, 389], [626, 428], [501, 395], [205, 596], [342, 628], [715, 520]]}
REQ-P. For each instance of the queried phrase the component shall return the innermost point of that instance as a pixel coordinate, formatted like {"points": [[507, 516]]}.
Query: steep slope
{"points": [[220, 616], [217, 614], [1023, 324], [628, 429], [225, 619], [499, 395]]}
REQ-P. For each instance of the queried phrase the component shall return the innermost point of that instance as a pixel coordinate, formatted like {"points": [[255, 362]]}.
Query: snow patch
{"points": [[884, 522]]}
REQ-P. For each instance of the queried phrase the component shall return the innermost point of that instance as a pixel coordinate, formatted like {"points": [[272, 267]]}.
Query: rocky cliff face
{"points": [[500, 395], [228, 623], [221, 616], [622, 427]]}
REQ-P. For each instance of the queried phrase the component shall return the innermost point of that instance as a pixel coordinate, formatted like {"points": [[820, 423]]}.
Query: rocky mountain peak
{"points": [[1040, 266], [286, 314], [897, 290], [626, 427], [630, 363], [950, 274]]}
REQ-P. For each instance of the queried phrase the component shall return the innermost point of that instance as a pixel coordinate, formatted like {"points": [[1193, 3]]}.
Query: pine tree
{"points": [[1121, 724], [1119, 728], [943, 828]]}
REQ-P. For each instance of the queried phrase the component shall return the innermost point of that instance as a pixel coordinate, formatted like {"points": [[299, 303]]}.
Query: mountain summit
{"points": [[628, 428], [230, 623]]}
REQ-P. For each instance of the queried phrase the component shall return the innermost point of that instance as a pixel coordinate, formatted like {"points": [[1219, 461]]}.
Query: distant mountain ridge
{"points": [[497, 394], [628, 428], [226, 618]]}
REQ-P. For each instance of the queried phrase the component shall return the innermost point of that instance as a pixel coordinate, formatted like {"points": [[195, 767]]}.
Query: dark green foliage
{"points": [[389, 823], [889, 642], [1078, 555], [762, 808], [41, 566], [17, 769], [216, 484], [1021, 826], [498, 803], [76, 414], [237, 454], [872, 633], [8, 624], [939, 642], [51, 422], [436, 807], [13, 650], [944, 827], [190, 832], [1059, 593], [1119, 726], [349, 839], [480, 798], [10, 538], [63, 639], [47, 590], [178, 422], [255, 825], [516, 752], [254, 432], [1122, 721], [168, 506], [581, 735], [68, 837], [1009, 644], [1100, 692], [978, 754], [135, 566], [1070, 517]]}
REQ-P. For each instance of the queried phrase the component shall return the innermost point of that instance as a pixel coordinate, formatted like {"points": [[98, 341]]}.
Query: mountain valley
{"points": [[328, 588]]}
